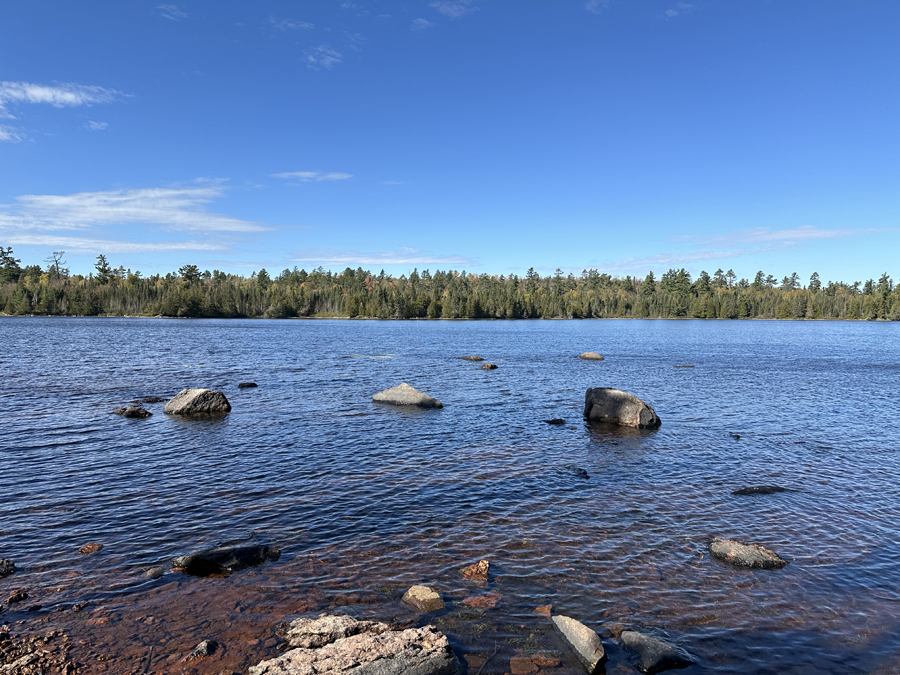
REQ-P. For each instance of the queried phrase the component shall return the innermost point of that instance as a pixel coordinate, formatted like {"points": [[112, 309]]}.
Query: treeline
{"points": [[190, 292]]}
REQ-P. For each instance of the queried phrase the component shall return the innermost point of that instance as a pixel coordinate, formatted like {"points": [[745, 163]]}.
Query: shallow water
{"points": [[365, 499]]}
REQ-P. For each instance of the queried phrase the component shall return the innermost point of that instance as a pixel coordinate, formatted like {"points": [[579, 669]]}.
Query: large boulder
{"points": [[743, 554], [374, 650], [613, 406], [423, 598], [403, 394], [653, 655], [225, 559], [198, 402], [584, 642]]}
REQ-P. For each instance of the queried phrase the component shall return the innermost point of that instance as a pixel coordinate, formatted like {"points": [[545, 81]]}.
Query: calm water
{"points": [[365, 500]]}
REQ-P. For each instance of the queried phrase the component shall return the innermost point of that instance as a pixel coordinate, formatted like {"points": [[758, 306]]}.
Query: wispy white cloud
{"points": [[290, 24], [10, 135], [94, 245], [421, 24], [405, 256], [58, 95], [310, 176], [96, 126], [762, 235], [171, 12], [453, 8], [394, 182], [596, 6], [174, 209], [322, 56], [680, 8]]}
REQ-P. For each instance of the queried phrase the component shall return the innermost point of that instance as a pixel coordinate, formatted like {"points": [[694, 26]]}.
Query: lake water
{"points": [[365, 500]]}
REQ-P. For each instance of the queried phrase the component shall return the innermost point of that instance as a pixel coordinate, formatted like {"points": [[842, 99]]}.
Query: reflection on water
{"points": [[607, 525]]}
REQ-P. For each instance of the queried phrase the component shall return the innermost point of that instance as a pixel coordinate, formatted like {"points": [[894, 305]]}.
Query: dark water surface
{"points": [[365, 500]]}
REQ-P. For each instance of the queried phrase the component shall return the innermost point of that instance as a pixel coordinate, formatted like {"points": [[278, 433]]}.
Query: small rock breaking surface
{"points": [[759, 490], [487, 365], [474, 357], [479, 571], [743, 554], [591, 356], [653, 655], [423, 598], [584, 642], [403, 394], [133, 412], [198, 402]]}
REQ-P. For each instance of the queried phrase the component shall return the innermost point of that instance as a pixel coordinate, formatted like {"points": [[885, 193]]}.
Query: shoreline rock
{"points": [[583, 641], [7, 567], [225, 559], [423, 598], [743, 554], [614, 406], [654, 655], [479, 571], [198, 402], [405, 395]]}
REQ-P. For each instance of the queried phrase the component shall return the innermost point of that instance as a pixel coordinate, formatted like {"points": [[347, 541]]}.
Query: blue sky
{"points": [[486, 135]]}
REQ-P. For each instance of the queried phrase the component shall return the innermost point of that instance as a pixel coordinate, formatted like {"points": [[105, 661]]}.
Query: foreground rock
{"points": [[133, 411], [403, 394], [372, 650], [653, 655], [759, 490], [591, 356], [35, 654], [198, 402], [742, 554], [423, 598], [487, 365], [613, 406], [479, 571], [7, 567], [474, 357], [584, 642], [225, 559], [328, 628]]}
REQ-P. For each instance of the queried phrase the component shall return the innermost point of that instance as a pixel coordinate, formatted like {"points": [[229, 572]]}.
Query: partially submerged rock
{"points": [[759, 490], [613, 406], [487, 365], [414, 651], [247, 385], [205, 648], [328, 628], [478, 571], [7, 567], [152, 399], [225, 559], [198, 402], [556, 421], [584, 642], [653, 655], [591, 356], [133, 411], [93, 547], [403, 394], [474, 357], [743, 554], [17, 595], [155, 572], [423, 598], [486, 601]]}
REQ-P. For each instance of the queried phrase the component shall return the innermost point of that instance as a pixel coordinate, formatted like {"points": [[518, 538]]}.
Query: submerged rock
{"points": [[487, 365], [654, 655], [759, 490], [17, 595], [403, 394], [591, 356], [93, 547], [198, 402], [474, 357], [423, 598], [557, 422], [7, 567], [584, 642], [478, 571], [414, 651], [133, 411], [742, 554], [247, 385], [613, 406], [155, 572], [224, 559]]}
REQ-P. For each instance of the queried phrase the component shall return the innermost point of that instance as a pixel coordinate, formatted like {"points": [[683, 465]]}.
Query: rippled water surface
{"points": [[365, 499]]}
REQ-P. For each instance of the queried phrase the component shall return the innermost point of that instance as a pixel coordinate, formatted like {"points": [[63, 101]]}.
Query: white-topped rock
{"points": [[403, 394], [584, 642], [198, 402]]}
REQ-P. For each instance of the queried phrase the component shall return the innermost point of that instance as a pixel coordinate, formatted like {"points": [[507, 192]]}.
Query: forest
{"points": [[50, 290]]}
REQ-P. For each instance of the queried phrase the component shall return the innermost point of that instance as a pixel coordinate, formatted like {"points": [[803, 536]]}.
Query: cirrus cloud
{"points": [[310, 176]]}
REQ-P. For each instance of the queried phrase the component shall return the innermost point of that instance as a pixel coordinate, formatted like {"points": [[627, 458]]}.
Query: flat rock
{"points": [[328, 628], [414, 651], [474, 357], [487, 601], [403, 394], [133, 411], [93, 547], [743, 554], [7, 567], [613, 406], [423, 598], [521, 664], [247, 385], [759, 490], [487, 365], [591, 356], [654, 655], [225, 559], [584, 642], [198, 402], [556, 421], [478, 571]]}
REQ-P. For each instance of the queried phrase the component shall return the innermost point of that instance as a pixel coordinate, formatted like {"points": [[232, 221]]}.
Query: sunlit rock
{"points": [[742, 554], [584, 642], [613, 406], [198, 402], [405, 395], [591, 356], [423, 598]]}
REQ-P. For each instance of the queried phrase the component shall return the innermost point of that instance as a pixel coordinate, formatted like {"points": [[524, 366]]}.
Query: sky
{"points": [[482, 135]]}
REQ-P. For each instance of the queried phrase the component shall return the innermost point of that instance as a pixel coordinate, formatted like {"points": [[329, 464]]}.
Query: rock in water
{"points": [[591, 356], [613, 406], [557, 422], [328, 628], [93, 547], [205, 648], [133, 411], [474, 357], [247, 385], [198, 402], [7, 567], [479, 571], [224, 559], [655, 655], [584, 642], [414, 651], [423, 598], [759, 490], [487, 365], [740, 554], [403, 394]]}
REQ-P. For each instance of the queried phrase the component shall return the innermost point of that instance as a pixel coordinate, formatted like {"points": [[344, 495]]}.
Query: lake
{"points": [[365, 500]]}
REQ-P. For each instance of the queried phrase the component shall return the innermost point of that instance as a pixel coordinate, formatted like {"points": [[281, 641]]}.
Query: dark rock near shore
{"points": [[423, 598], [583, 641], [591, 356], [155, 572], [487, 365], [225, 559], [405, 395], [153, 399], [613, 406], [759, 490], [742, 554], [93, 547], [472, 358], [133, 411], [17, 595], [653, 655], [353, 647], [7, 567], [555, 422], [479, 571], [205, 648], [198, 402], [247, 385]]}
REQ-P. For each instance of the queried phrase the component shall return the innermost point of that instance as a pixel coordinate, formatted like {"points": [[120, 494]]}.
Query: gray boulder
{"points": [[198, 402], [603, 404], [7, 567], [403, 394], [225, 559], [423, 598], [414, 651], [742, 554], [487, 365], [133, 411], [591, 356], [584, 642], [653, 655], [328, 628]]}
